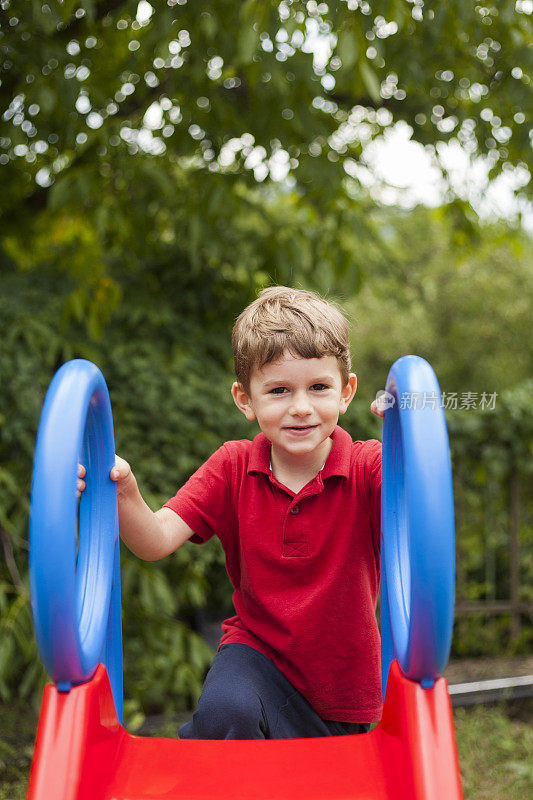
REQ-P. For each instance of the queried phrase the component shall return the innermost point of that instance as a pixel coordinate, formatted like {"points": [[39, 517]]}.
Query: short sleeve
{"points": [[204, 502]]}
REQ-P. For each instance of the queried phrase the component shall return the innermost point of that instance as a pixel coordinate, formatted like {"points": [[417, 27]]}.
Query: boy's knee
{"points": [[236, 714]]}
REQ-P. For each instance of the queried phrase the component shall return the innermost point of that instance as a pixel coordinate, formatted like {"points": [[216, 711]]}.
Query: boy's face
{"points": [[297, 402]]}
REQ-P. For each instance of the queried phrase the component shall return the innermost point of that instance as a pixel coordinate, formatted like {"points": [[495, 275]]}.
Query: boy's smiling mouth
{"points": [[299, 428]]}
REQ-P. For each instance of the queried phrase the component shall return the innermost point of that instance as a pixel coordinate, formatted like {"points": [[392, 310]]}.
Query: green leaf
{"points": [[247, 41], [370, 80], [347, 48]]}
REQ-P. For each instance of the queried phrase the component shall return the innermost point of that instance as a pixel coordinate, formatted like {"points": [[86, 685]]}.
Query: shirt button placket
{"points": [[294, 546]]}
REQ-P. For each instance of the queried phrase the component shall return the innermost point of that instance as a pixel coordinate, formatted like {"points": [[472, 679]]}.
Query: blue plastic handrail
{"points": [[76, 593], [418, 529]]}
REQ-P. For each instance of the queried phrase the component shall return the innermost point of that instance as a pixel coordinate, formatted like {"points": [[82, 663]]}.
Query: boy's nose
{"points": [[300, 405]]}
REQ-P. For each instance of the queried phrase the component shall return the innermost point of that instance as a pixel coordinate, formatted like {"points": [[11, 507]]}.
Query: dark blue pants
{"points": [[245, 696]]}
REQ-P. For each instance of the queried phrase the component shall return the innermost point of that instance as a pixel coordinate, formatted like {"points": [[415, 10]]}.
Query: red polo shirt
{"points": [[305, 566]]}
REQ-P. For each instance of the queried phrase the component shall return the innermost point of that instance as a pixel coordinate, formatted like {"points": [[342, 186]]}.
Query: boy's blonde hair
{"points": [[283, 319]]}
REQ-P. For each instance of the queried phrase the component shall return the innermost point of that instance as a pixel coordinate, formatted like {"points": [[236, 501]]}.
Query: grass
{"points": [[495, 744], [495, 752], [18, 724]]}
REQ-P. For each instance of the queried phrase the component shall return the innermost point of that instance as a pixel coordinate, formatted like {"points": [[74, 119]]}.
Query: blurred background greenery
{"points": [[162, 163]]}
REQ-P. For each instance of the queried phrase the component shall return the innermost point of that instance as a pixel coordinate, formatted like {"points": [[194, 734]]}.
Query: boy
{"points": [[298, 513]]}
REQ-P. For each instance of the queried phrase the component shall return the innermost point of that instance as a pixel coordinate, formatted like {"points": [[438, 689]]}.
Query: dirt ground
{"points": [[476, 669]]}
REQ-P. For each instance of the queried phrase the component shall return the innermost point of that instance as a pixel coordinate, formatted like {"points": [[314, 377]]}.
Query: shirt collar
{"points": [[260, 455], [337, 463]]}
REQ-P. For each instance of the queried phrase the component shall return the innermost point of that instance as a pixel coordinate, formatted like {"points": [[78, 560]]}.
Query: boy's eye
{"points": [[279, 390], [319, 387]]}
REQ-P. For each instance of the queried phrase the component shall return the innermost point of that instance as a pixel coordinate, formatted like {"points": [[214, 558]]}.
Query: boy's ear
{"points": [[242, 401], [348, 392]]}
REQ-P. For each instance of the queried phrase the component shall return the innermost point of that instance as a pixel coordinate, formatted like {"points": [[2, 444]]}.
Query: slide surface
{"points": [[83, 753]]}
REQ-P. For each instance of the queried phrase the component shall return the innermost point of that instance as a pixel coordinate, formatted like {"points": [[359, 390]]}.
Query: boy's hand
{"points": [[383, 401], [80, 484], [120, 472], [376, 409]]}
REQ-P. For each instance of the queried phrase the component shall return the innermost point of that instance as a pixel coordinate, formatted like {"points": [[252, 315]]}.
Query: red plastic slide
{"points": [[83, 753]]}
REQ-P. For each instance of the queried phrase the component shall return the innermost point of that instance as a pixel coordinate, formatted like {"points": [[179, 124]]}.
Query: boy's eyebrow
{"points": [[319, 379]]}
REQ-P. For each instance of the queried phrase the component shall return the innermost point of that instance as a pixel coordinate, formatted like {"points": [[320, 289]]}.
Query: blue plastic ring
{"points": [[71, 590], [418, 521]]}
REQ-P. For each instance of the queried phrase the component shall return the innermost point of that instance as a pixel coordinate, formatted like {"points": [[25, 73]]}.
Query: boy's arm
{"points": [[149, 535]]}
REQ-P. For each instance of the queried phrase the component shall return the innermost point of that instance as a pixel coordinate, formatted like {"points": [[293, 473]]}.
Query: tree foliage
{"points": [[456, 295], [86, 83], [461, 301]]}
